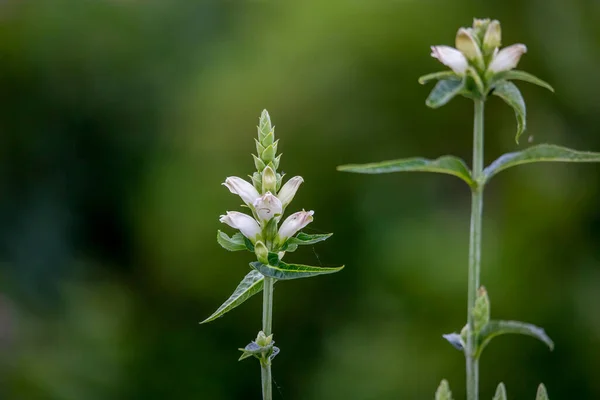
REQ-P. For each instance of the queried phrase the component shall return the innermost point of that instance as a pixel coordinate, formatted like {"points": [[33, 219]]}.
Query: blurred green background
{"points": [[120, 119]]}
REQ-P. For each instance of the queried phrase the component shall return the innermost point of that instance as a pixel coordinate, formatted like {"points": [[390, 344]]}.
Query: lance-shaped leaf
{"points": [[444, 91], [304, 239], [511, 95], [542, 393], [252, 283], [496, 328], [437, 76], [514, 74], [539, 153], [500, 392], [444, 165], [234, 243], [283, 271]]}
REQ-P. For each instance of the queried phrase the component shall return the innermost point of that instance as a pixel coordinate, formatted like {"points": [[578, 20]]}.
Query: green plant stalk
{"points": [[267, 324], [472, 362]]}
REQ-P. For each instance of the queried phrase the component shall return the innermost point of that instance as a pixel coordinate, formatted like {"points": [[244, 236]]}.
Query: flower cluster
{"points": [[478, 50], [266, 198]]}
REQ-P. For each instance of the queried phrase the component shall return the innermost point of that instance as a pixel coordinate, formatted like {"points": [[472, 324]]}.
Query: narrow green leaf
{"points": [[496, 328], [443, 92], [251, 284], [500, 392], [444, 165], [542, 393], [539, 153], [234, 243], [525, 77], [304, 239], [283, 271], [437, 76], [443, 391], [511, 95]]}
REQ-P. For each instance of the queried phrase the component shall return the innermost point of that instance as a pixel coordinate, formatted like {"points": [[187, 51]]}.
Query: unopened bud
{"points": [[263, 340], [443, 391], [542, 394], [269, 180], [493, 37], [264, 125], [466, 43], [481, 311], [500, 392], [262, 253]]}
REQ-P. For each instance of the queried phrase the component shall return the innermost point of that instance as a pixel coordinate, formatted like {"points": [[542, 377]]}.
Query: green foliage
{"points": [[251, 284], [539, 153], [500, 392], [444, 91], [523, 76], [441, 75], [481, 311], [283, 271], [450, 165], [302, 239], [233, 243], [511, 95], [496, 328]]}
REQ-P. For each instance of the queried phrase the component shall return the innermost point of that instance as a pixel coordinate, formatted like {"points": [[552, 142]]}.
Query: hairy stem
{"points": [[472, 367], [267, 323]]}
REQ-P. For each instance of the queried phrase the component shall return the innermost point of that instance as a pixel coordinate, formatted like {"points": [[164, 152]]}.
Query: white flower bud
{"points": [[269, 180], [493, 37], [242, 188], [468, 46], [262, 253], [244, 223], [289, 189], [294, 223], [267, 206], [450, 57], [507, 58]]}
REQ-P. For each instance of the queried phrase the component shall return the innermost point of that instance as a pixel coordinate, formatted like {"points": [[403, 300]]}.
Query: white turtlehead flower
{"points": [[288, 191], [294, 223], [245, 190], [451, 57], [507, 58], [244, 223], [267, 206]]}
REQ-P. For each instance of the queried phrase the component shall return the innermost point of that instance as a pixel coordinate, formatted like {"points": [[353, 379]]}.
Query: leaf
{"points": [[443, 92], [539, 153], [444, 165], [234, 243], [437, 76], [303, 239], [283, 271], [500, 392], [511, 95], [542, 393], [251, 284], [496, 328], [525, 77]]}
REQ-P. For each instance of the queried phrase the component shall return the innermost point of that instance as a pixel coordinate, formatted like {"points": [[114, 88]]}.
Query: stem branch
{"points": [[472, 367], [267, 323]]}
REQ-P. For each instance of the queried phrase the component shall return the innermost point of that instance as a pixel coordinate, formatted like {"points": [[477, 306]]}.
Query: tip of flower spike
{"points": [[264, 124]]}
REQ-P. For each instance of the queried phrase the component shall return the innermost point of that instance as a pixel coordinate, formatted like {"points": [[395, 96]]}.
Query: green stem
{"points": [[472, 368], [267, 324]]}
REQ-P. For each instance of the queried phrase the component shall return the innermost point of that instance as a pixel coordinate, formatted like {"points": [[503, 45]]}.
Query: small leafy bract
{"points": [[444, 91], [496, 328]]}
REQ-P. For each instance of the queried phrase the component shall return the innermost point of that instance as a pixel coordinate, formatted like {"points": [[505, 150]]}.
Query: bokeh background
{"points": [[120, 119]]}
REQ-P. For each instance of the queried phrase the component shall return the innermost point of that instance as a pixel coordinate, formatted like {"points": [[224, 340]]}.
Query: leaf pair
{"points": [[253, 282], [452, 165], [450, 85]]}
